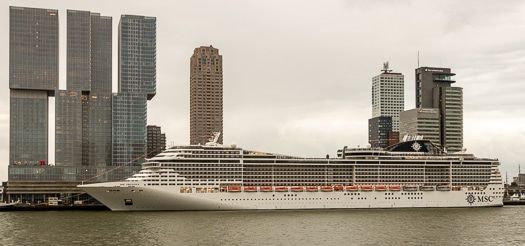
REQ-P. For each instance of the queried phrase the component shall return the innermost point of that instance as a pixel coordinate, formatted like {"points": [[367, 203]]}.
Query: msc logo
{"points": [[472, 199]]}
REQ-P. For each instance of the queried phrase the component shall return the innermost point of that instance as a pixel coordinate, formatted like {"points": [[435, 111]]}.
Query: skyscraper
{"points": [[83, 110], [388, 95], [84, 117], [435, 94], [33, 77], [156, 141], [388, 101], [206, 102], [136, 85], [379, 129]]}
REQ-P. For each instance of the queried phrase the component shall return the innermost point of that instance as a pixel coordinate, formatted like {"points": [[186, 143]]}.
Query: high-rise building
{"points": [[83, 110], [84, 127], [206, 102], [388, 95], [379, 129], [33, 78], [450, 103], [388, 91], [439, 109], [428, 78], [156, 141], [136, 85], [421, 122], [434, 90]]}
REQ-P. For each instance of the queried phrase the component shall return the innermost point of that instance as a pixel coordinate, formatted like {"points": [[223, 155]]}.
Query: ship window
{"points": [[128, 202]]}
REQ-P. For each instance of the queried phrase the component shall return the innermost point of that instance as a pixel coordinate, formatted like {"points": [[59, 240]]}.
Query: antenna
{"points": [[385, 67], [418, 58]]}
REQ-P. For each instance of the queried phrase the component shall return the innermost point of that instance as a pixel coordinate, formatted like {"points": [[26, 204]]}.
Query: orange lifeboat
{"points": [[312, 188], [327, 188], [281, 189], [266, 188], [394, 187], [352, 188], [250, 188], [380, 187], [297, 189], [338, 188], [234, 188], [366, 188]]}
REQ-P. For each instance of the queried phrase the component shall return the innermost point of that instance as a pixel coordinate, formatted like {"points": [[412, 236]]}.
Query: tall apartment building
{"points": [[136, 85], [388, 90], [156, 141], [83, 110], [33, 78], [388, 95], [206, 104]]}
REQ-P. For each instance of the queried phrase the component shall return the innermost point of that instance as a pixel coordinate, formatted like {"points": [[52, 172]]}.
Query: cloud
{"points": [[297, 74]]}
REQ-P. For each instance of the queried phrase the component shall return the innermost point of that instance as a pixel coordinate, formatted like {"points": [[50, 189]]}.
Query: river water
{"points": [[444, 226]]}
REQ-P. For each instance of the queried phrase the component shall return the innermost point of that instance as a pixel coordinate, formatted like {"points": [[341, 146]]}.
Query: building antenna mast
{"points": [[418, 58], [385, 68]]}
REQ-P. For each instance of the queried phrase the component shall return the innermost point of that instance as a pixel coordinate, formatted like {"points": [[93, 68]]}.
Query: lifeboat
{"points": [[326, 188], [443, 188], [394, 187], [410, 188], [281, 189], [352, 188], [297, 189], [338, 188], [312, 188], [234, 188], [266, 188], [250, 188], [427, 188], [380, 187], [366, 188]]}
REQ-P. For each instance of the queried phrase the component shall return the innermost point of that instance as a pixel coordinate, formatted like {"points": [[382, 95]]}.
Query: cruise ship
{"points": [[415, 173]]}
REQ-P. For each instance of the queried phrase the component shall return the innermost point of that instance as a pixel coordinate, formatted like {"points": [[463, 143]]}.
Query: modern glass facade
{"points": [[28, 129], [137, 55], [137, 85], [451, 117], [156, 141], [33, 77], [129, 128], [421, 122], [97, 140], [428, 78], [206, 104], [33, 49], [83, 111], [83, 140], [379, 129], [434, 90]]}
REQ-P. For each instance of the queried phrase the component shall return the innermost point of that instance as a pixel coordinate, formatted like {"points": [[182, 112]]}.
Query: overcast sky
{"points": [[297, 74]]}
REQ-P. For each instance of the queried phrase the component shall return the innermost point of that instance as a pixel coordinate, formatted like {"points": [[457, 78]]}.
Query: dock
{"points": [[27, 207]]}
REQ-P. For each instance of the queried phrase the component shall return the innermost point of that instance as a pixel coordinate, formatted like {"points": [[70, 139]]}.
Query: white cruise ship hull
{"points": [[167, 198]]}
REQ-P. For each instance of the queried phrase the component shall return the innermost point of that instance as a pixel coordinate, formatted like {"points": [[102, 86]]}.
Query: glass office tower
{"points": [[33, 78], [136, 85], [83, 110]]}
